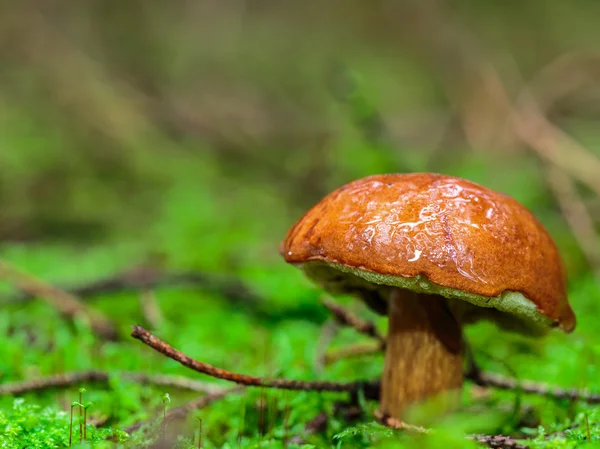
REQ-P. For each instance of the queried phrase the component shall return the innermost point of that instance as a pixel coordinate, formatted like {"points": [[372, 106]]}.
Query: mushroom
{"points": [[441, 252]]}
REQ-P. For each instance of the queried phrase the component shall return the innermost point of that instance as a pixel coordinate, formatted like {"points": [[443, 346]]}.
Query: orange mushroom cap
{"points": [[435, 234]]}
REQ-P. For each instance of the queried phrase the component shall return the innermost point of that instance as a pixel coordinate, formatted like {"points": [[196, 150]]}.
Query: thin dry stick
{"points": [[526, 120], [240, 433], [494, 441], [576, 214], [345, 317], [66, 380], [150, 308], [498, 441], [370, 388], [487, 379], [186, 409], [550, 86], [529, 124], [493, 380], [262, 412], [566, 160], [286, 384], [394, 423], [328, 332], [553, 144], [144, 278], [355, 350], [200, 435], [67, 304], [286, 417]]}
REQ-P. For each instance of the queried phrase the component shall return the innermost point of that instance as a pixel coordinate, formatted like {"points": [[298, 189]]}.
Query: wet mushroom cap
{"points": [[435, 234]]}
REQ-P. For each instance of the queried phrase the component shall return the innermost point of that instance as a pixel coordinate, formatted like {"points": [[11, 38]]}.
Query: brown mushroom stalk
{"points": [[424, 356], [443, 252]]}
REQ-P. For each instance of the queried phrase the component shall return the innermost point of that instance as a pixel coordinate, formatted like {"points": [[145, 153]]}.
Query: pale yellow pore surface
{"points": [[419, 363], [519, 313]]}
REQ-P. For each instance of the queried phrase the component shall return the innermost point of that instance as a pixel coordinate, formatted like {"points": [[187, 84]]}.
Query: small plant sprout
{"points": [[85, 407], [81, 391], [166, 399], [587, 428], [286, 417], [199, 432], [73, 405], [242, 423], [263, 407]]}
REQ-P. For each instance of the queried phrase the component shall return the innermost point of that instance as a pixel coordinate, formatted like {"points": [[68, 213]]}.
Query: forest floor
{"points": [[221, 294]]}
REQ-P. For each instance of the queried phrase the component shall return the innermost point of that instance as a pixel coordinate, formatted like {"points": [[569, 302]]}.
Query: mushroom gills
{"points": [[510, 310]]}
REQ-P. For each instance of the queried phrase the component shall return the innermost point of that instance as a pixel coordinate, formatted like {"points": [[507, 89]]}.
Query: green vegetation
{"points": [[277, 337]]}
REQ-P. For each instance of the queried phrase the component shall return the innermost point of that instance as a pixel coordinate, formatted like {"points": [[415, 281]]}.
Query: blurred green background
{"points": [[189, 136]]}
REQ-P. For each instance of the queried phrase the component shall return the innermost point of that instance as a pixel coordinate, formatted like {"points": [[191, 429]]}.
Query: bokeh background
{"points": [[188, 136]]}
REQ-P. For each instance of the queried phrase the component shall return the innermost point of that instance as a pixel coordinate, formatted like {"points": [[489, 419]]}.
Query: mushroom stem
{"points": [[424, 354]]}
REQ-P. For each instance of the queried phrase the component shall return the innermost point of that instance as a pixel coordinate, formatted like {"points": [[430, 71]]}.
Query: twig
{"points": [[68, 305], [549, 87], [493, 441], [66, 380], [481, 378], [487, 379], [527, 121], [186, 409], [328, 332], [552, 144], [370, 388], [286, 384], [150, 308], [527, 116], [355, 350], [143, 278], [576, 214], [493, 380], [498, 441], [347, 318], [567, 158], [393, 423]]}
